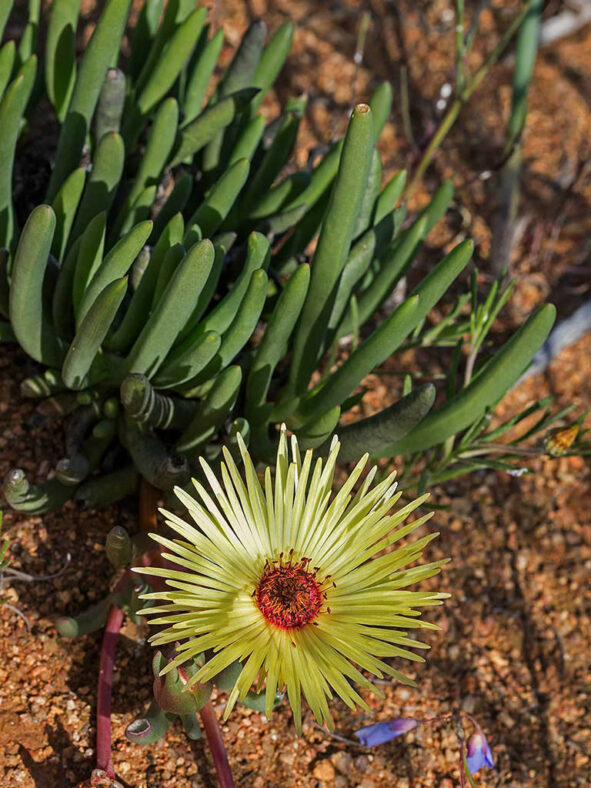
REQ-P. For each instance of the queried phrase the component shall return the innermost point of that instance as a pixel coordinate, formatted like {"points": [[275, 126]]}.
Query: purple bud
{"points": [[479, 753], [384, 731]]}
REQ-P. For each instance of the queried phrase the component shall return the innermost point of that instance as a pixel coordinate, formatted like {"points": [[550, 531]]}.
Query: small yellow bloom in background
{"points": [[559, 441], [299, 585]]}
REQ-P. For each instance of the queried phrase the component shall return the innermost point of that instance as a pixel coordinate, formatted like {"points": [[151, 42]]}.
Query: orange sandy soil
{"points": [[514, 645]]}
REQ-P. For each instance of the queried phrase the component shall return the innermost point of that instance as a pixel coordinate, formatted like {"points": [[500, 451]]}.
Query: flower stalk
{"points": [[217, 746], [104, 759], [464, 94]]}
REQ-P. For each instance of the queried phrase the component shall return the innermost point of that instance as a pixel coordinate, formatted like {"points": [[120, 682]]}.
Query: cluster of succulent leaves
{"points": [[170, 235]]}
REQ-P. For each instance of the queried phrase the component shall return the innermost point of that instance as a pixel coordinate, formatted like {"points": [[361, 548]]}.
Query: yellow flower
{"points": [[301, 587], [558, 442]]}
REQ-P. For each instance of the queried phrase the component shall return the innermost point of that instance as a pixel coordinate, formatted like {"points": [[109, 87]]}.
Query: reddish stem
{"points": [[217, 746], [148, 501], [148, 506], [105, 686]]}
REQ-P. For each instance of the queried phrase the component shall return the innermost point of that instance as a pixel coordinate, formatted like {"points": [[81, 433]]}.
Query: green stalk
{"points": [[505, 220], [452, 113]]}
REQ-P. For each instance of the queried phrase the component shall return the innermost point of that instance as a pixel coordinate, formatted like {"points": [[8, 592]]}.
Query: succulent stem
{"points": [[218, 748], [104, 759]]}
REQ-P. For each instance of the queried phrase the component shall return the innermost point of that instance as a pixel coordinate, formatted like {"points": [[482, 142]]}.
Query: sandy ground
{"points": [[513, 648]]}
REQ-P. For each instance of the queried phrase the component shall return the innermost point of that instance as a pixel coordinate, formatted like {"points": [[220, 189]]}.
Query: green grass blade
{"points": [[7, 56], [28, 39], [158, 148], [438, 281], [371, 245], [315, 433], [525, 59], [186, 367], [273, 160], [175, 203], [393, 266], [62, 309], [246, 319], [89, 258], [5, 10], [140, 303], [320, 180], [240, 73], [221, 317], [172, 260], [140, 209], [213, 411], [389, 196], [143, 35], [372, 190], [381, 105]]}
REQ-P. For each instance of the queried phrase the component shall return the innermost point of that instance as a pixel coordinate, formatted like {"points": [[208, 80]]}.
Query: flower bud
{"points": [[558, 442], [382, 732], [171, 692], [118, 547], [479, 753]]}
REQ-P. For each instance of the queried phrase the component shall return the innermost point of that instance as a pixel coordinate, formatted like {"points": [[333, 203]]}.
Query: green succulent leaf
{"points": [[100, 54], [173, 57], [94, 325], [31, 324], [209, 123], [172, 311], [374, 433], [12, 108], [333, 246], [199, 78], [60, 54], [485, 389]]}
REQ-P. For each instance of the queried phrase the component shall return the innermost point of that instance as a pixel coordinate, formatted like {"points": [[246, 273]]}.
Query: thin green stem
{"points": [[443, 129], [452, 113], [460, 46]]}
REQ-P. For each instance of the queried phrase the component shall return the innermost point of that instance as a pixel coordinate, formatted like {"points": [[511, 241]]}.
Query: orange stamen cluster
{"points": [[289, 595]]}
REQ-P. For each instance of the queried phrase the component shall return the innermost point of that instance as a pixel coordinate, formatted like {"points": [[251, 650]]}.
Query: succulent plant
{"points": [[170, 234]]}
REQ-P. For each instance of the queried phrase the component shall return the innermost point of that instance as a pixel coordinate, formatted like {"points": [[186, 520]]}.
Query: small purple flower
{"points": [[384, 731], [479, 753]]}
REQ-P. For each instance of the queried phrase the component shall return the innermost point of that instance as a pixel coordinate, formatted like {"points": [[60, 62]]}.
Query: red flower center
{"points": [[289, 596]]}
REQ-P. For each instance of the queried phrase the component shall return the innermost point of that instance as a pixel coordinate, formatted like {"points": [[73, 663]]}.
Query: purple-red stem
{"points": [[217, 746], [148, 500], [105, 685]]}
